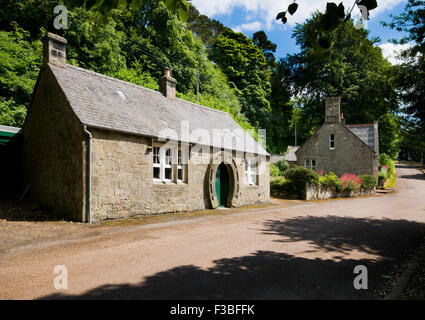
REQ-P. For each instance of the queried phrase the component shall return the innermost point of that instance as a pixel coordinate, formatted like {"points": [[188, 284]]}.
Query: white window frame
{"points": [[313, 167], [332, 141], [164, 163], [308, 163], [251, 171]]}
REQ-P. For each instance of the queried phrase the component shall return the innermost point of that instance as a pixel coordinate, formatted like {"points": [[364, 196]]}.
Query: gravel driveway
{"points": [[291, 250]]}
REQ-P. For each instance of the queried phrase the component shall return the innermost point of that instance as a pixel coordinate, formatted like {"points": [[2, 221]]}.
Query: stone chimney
{"points": [[54, 50], [167, 85], [333, 110]]}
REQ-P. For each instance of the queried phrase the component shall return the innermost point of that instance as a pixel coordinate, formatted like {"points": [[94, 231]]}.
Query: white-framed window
{"points": [[331, 141], [180, 166], [310, 163], [162, 164], [250, 171]]}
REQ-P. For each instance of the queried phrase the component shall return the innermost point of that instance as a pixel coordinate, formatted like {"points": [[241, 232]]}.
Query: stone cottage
{"points": [[99, 148], [341, 148]]}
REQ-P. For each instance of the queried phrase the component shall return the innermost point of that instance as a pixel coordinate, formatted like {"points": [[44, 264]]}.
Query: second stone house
{"points": [[98, 147], [339, 147]]}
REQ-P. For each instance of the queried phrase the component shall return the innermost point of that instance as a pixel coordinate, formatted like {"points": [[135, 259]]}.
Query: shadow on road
{"points": [[277, 275], [418, 176]]}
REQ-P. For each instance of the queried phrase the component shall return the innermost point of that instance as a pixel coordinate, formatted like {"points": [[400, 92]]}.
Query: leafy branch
{"points": [[332, 18], [105, 7]]}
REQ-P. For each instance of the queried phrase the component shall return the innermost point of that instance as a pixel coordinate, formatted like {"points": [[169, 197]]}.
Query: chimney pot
{"points": [[167, 85], [54, 50]]}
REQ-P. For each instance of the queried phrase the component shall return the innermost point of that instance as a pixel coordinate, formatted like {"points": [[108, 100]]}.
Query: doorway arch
{"points": [[233, 184]]}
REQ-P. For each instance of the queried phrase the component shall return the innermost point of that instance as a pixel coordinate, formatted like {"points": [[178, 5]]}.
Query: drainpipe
{"points": [[88, 175]]}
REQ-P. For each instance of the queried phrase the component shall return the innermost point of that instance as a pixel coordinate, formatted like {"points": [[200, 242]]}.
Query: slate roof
{"points": [[290, 154], [365, 132], [97, 103]]}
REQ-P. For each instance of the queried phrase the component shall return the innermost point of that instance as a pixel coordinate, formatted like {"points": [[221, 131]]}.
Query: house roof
{"points": [[103, 102], [7, 133], [365, 132], [290, 153], [10, 130]]}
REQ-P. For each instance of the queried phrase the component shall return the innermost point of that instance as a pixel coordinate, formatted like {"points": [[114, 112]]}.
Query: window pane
{"points": [[156, 173], [168, 158], [155, 155], [180, 174], [168, 174], [179, 158], [332, 141], [252, 179]]}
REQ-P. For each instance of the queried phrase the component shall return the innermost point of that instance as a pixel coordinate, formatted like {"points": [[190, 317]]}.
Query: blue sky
{"points": [[248, 16]]}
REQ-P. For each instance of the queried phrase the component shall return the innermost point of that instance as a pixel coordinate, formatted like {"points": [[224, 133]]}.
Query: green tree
{"points": [[411, 73], [20, 61], [353, 68], [261, 40], [244, 64], [410, 77], [205, 28]]}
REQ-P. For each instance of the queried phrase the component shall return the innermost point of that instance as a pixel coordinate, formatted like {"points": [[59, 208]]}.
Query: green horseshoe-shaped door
{"points": [[222, 185]]}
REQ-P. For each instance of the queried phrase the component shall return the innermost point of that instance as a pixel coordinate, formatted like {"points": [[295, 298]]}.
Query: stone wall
{"points": [[123, 186], [351, 155], [314, 192], [53, 151]]}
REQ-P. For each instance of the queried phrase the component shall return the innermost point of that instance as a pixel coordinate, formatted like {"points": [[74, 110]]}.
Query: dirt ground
{"points": [[24, 224], [286, 250]]}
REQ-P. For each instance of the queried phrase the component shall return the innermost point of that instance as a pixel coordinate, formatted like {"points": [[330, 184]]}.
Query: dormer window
{"points": [[332, 141]]}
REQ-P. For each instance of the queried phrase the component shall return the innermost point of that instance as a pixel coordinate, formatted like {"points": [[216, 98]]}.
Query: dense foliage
{"points": [[368, 182], [410, 77], [298, 177], [134, 40], [387, 172]]}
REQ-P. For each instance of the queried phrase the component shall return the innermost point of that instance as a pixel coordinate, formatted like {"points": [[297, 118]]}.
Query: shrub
{"points": [[274, 170], [368, 182], [350, 182], [385, 162], [280, 186], [386, 175], [298, 178], [331, 181], [283, 165], [382, 176]]}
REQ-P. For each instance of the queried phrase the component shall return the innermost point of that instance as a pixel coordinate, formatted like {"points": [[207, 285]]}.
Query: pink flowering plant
{"points": [[350, 182]]}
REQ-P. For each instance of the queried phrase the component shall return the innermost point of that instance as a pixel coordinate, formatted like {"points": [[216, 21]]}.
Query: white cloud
{"points": [[391, 51], [252, 26], [265, 11]]}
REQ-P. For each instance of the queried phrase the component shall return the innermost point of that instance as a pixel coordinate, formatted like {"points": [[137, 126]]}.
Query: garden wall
{"points": [[314, 192]]}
